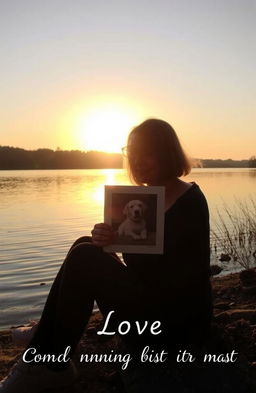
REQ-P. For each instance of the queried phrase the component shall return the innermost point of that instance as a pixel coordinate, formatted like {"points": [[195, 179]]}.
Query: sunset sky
{"points": [[78, 74]]}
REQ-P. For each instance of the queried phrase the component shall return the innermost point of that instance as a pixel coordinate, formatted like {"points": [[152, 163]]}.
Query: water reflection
{"points": [[43, 212], [252, 172]]}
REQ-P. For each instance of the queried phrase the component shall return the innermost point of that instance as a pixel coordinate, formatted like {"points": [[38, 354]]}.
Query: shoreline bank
{"points": [[234, 314]]}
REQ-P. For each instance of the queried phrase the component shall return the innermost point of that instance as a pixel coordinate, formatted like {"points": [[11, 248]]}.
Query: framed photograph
{"points": [[137, 215]]}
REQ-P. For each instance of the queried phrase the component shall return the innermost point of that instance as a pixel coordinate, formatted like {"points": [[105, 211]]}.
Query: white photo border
{"points": [[159, 191]]}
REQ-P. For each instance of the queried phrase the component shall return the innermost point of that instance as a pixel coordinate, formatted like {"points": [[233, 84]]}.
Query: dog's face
{"points": [[135, 210]]}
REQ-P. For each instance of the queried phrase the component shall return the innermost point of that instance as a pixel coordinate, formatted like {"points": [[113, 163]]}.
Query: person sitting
{"points": [[173, 288]]}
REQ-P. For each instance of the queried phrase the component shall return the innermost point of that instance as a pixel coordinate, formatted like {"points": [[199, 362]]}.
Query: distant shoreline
{"points": [[71, 169], [14, 158]]}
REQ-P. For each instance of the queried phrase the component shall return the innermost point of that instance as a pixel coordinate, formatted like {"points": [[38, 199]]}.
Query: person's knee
{"points": [[84, 254], [92, 259], [82, 239]]}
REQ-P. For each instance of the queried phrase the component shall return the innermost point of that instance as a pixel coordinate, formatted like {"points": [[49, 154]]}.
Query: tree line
{"points": [[17, 158], [229, 163]]}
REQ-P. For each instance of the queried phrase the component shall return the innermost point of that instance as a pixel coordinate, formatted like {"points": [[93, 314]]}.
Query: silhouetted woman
{"points": [[173, 288]]}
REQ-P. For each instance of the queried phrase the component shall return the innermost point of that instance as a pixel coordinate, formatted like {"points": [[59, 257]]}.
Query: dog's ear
{"points": [[125, 211]]}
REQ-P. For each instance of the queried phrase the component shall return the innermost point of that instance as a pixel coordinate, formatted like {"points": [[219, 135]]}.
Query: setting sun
{"points": [[105, 127]]}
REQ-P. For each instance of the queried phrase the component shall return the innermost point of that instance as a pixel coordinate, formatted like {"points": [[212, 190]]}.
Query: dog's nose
{"points": [[136, 212]]}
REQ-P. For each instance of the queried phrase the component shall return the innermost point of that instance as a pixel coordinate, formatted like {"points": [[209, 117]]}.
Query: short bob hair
{"points": [[159, 137]]}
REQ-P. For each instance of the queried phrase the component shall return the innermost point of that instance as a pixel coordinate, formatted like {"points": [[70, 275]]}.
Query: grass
{"points": [[234, 232]]}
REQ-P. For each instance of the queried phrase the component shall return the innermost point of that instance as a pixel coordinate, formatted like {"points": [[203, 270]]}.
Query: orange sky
{"points": [[79, 75]]}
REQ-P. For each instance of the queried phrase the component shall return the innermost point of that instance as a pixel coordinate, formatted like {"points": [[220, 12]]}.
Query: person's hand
{"points": [[103, 235]]}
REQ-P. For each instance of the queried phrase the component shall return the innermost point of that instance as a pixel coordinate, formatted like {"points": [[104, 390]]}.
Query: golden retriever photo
{"points": [[136, 214], [134, 225]]}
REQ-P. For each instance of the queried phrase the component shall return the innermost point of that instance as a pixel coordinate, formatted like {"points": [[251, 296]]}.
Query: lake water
{"points": [[43, 212]]}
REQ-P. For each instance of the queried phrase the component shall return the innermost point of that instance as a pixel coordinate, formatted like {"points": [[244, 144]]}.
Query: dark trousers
{"points": [[88, 274]]}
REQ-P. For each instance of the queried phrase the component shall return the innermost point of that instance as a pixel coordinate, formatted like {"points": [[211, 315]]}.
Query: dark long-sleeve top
{"points": [[180, 278]]}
